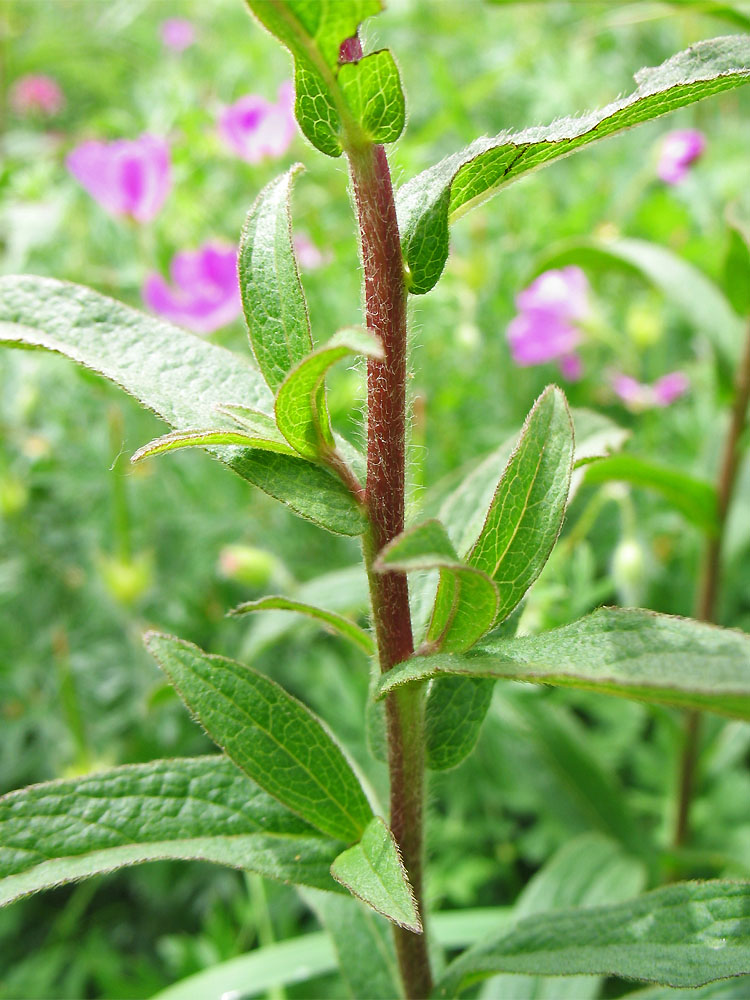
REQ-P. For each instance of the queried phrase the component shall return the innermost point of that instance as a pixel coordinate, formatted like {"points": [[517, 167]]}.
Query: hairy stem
{"points": [[385, 314], [710, 581]]}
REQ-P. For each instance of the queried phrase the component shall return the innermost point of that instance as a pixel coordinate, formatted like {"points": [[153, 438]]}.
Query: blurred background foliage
{"points": [[93, 550]]}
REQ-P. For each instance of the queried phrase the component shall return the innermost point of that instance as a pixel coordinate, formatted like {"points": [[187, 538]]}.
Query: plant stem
{"points": [[385, 313], [705, 607]]}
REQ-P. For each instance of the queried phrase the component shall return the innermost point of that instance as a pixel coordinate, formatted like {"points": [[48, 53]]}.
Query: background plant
{"points": [[491, 440]]}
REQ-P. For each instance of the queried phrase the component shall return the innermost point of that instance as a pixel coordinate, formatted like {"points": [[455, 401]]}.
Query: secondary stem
{"points": [[385, 312], [705, 607]]}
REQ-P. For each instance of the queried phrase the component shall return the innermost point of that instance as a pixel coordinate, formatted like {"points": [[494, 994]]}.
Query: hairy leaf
{"points": [[588, 871], [372, 89], [180, 377], [464, 511], [528, 507], [301, 412], [336, 105], [330, 619], [373, 871], [700, 301], [363, 943], [272, 296], [454, 713], [684, 935], [273, 737], [631, 653], [428, 203], [467, 600], [206, 438], [694, 498], [200, 808]]}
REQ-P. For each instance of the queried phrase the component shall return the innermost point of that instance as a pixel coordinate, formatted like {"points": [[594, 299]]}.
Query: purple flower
{"points": [[36, 93], [254, 128], [678, 150], [204, 294], [126, 177], [546, 327], [639, 396], [177, 33]]}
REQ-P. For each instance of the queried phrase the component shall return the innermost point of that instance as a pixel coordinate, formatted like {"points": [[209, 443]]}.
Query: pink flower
{"points": [[639, 396], [126, 177], [546, 327], [177, 33], [254, 128], [204, 294], [309, 256], [678, 150], [670, 387], [36, 93]]}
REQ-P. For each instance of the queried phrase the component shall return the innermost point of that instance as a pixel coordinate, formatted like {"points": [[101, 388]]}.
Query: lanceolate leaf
{"points": [[272, 296], [630, 653], [342, 625], [684, 935], [527, 510], [464, 511], [694, 498], [701, 303], [201, 808], [588, 871], [467, 599], [373, 871], [206, 438], [301, 412], [273, 737], [179, 376], [431, 200], [336, 106]]}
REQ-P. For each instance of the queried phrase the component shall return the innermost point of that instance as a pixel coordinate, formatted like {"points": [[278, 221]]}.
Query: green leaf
{"points": [[363, 946], [372, 871], [201, 808], [336, 106], [179, 376], [701, 303], [363, 943], [464, 511], [272, 296], [333, 621], [372, 89], [301, 413], [454, 713], [736, 988], [588, 871], [528, 507], [206, 438], [467, 599], [684, 935], [694, 498], [630, 653], [256, 423], [428, 203], [273, 737]]}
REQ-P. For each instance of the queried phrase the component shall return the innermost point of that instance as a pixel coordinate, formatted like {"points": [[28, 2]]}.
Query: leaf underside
{"points": [[427, 203], [183, 379], [200, 808], [373, 871], [684, 935], [631, 653]]}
